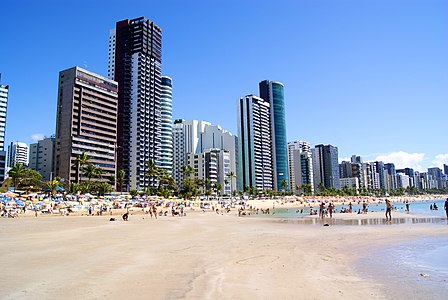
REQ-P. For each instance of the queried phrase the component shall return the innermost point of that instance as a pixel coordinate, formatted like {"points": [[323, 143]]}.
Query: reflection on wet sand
{"points": [[364, 221]]}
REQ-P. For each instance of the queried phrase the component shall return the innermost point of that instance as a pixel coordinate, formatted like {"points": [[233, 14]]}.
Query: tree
{"points": [[284, 184], [80, 161], [120, 178], [53, 185], [90, 171], [187, 170], [98, 173], [231, 175], [152, 171], [217, 187], [16, 173]]}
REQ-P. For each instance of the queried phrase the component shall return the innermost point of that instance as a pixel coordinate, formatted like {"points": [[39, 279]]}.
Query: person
{"points": [[126, 216], [407, 205], [446, 207], [330, 209], [388, 211]]}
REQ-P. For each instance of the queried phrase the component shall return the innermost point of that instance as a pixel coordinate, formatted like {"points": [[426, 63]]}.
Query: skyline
{"points": [[370, 88]]}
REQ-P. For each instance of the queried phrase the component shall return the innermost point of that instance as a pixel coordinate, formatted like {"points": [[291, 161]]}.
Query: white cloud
{"points": [[440, 160], [37, 137], [403, 159], [341, 159]]}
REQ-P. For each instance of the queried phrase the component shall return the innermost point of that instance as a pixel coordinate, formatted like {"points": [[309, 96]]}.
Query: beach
{"points": [[200, 256]]}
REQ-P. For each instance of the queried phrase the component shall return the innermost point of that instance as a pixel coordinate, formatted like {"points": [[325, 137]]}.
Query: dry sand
{"points": [[200, 256]]}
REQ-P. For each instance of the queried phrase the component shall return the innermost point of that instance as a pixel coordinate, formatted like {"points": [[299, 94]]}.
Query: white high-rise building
{"points": [[4, 90], [255, 166], [300, 165], [186, 139], [196, 137], [17, 153], [42, 157]]}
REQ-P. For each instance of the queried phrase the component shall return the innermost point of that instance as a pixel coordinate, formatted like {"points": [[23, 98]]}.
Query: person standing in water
{"points": [[388, 211]]}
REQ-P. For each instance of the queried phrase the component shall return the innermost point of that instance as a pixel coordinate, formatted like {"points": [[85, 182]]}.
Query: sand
{"points": [[200, 256]]}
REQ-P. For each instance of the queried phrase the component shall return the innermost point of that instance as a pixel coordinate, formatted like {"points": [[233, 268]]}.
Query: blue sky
{"points": [[368, 76]]}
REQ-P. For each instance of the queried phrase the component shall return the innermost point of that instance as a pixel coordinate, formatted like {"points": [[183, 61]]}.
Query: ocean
{"points": [[411, 270], [418, 208]]}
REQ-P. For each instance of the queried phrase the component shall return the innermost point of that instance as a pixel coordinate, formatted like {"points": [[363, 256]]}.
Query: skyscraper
{"points": [[196, 137], [300, 165], [86, 121], [4, 90], [254, 143], [391, 176], [326, 167], [166, 149], [17, 153], [445, 169], [273, 92], [135, 60]]}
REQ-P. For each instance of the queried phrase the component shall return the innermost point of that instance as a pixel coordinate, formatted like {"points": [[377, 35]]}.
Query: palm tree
{"points": [[90, 171], [98, 172], [187, 170], [120, 178], [218, 187], [231, 175], [52, 185], [152, 171], [80, 161], [16, 173], [284, 184]]}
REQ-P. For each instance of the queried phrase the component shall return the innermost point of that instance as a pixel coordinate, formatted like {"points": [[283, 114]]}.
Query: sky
{"points": [[367, 76]]}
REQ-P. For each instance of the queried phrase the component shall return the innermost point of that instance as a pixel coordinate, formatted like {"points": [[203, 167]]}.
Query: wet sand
{"points": [[201, 256]]}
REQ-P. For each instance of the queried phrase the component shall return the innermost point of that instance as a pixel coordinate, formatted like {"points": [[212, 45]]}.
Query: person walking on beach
{"points": [[446, 207], [388, 211]]}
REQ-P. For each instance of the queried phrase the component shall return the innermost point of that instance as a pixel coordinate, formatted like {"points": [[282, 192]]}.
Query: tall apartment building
{"points": [[166, 146], [204, 165], [273, 92], [41, 157], [445, 169], [300, 165], [195, 137], [186, 139], [254, 143], [135, 60], [391, 176], [86, 121], [436, 173], [4, 91], [17, 153], [326, 167]]}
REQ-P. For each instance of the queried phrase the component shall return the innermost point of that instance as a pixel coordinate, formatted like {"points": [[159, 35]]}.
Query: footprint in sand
{"points": [[260, 259]]}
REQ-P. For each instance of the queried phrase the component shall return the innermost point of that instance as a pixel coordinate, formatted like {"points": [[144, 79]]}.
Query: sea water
{"points": [[411, 270], [417, 208]]}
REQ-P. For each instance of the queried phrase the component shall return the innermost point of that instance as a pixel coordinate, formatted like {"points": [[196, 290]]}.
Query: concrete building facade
{"points": [[300, 165], [254, 143], [41, 157], [86, 121], [135, 61], [17, 153], [4, 92]]}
